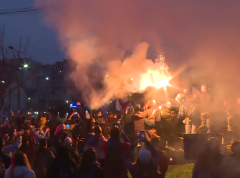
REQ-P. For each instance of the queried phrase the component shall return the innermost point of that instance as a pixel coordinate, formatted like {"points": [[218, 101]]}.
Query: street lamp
{"points": [[12, 48], [66, 101], [47, 78], [29, 99], [25, 66], [19, 74], [3, 81]]}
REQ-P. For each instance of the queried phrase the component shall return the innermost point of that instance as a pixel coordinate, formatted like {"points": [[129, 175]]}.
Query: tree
{"points": [[2, 67], [8, 73]]}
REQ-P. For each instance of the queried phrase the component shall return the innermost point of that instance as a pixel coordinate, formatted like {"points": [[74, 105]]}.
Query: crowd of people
{"points": [[125, 145], [211, 163], [77, 146]]}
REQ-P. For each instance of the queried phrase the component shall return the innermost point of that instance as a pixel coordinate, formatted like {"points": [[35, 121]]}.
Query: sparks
{"points": [[156, 78]]}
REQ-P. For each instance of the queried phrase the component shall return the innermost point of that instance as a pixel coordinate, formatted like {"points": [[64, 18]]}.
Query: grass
{"points": [[180, 171]]}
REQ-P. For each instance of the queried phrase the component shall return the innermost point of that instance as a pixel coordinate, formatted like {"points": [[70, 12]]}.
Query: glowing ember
{"points": [[155, 79]]}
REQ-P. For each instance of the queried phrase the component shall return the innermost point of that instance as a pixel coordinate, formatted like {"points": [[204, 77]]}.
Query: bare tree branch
{"points": [[2, 34]]}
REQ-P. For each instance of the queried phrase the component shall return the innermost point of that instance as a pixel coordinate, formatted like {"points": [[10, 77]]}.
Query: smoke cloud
{"points": [[96, 34]]}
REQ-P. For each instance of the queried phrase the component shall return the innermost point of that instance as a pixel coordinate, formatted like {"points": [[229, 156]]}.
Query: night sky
{"points": [[188, 29], [43, 44]]}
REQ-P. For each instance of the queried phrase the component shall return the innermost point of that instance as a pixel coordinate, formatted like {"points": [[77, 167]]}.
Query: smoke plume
{"points": [[96, 34]]}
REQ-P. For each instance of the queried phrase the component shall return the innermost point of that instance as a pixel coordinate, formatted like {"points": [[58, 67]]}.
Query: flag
{"points": [[122, 104]]}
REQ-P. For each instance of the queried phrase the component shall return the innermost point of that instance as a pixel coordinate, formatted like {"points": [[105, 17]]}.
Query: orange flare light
{"points": [[157, 79]]}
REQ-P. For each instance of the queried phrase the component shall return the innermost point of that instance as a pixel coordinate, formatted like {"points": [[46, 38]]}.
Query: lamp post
{"points": [[47, 92], [19, 74]]}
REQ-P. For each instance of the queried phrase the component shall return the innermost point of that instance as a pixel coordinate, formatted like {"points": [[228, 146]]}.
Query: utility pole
{"points": [[19, 80], [10, 99], [19, 75], [47, 92]]}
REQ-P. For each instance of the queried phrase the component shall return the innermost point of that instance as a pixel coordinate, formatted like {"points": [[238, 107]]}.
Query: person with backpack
{"points": [[90, 168]]}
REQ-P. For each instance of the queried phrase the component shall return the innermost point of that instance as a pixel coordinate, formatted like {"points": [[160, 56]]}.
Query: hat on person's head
{"points": [[144, 155], [67, 142]]}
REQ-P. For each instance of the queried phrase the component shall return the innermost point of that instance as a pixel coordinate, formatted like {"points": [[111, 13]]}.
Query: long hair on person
{"points": [[19, 159]]}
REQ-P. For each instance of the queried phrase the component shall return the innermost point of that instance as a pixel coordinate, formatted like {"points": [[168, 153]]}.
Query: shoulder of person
{"points": [[30, 174]]}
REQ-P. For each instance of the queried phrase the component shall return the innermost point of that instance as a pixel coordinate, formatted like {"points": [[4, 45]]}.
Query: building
{"points": [[40, 86]]}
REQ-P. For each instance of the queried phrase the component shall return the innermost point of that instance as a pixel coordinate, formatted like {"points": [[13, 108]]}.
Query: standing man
{"points": [[149, 116], [204, 106], [181, 99]]}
